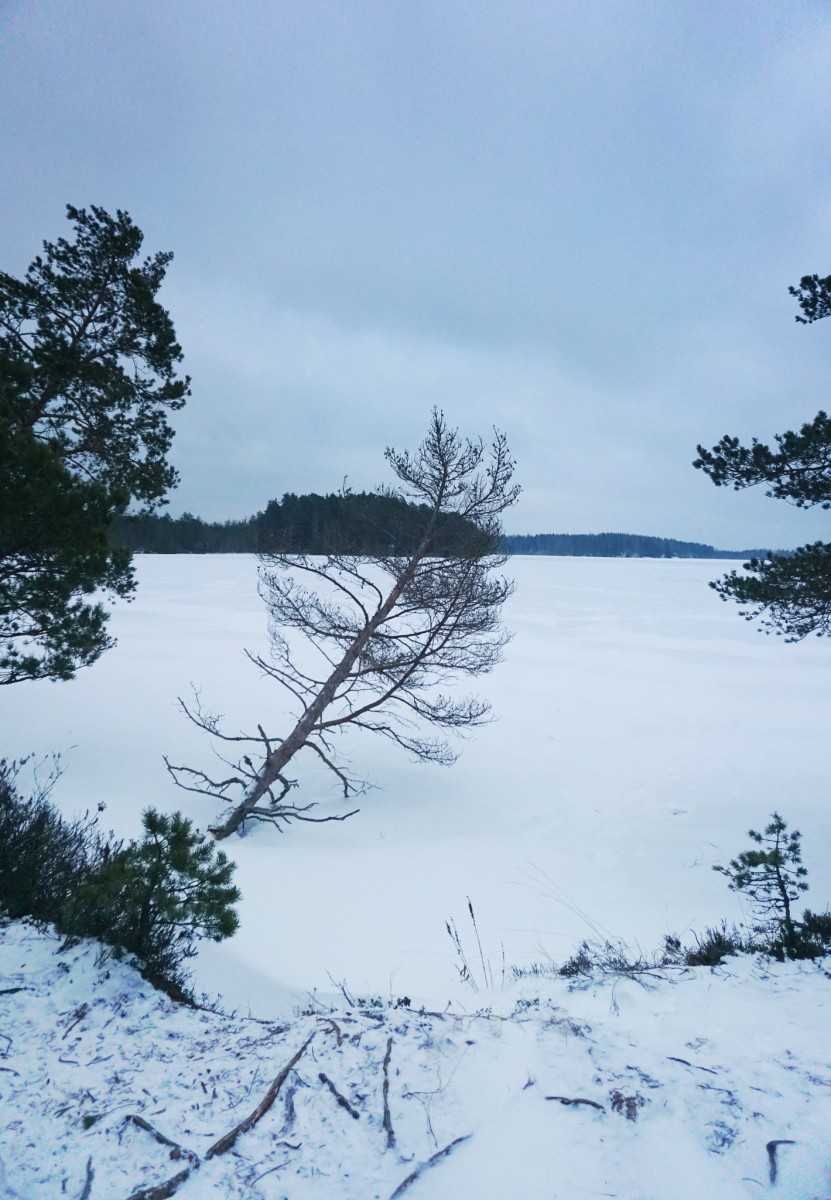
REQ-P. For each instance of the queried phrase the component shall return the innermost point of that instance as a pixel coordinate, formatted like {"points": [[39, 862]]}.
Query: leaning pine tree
{"points": [[388, 631]]}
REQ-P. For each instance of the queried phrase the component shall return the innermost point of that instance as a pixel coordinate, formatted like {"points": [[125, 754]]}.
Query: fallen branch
{"points": [[576, 1100], [161, 1191], [270, 1170], [78, 1016], [177, 1151], [85, 1194], [709, 1070], [227, 1140], [342, 1101], [387, 1119], [431, 1162], [771, 1148]]}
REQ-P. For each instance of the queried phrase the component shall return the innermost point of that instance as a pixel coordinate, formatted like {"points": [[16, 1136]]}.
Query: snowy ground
{"points": [[642, 729], [682, 1085]]}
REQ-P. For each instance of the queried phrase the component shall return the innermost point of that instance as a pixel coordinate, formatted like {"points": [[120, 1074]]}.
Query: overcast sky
{"points": [[573, 219]]}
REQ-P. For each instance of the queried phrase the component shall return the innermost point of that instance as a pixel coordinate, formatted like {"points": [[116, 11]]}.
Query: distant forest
{"points": [[367, 523], [616, 545], [350, 523]]}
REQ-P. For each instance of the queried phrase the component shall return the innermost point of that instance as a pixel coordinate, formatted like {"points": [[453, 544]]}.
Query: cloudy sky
{"points": [[573, 219]]}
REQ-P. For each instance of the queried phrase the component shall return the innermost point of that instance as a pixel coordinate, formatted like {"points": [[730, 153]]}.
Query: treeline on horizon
{"points": [[342, 523], [615, 545], [367, 523]]}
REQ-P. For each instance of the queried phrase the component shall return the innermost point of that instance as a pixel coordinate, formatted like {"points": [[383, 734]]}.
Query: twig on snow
{"points": [[387, 1119], [291, 1115], [709, 1070], [341, 1099], [284, 1163], [431, 1162], [85, 1194], [78, 1015], [343, 989], [576, 1100], [228, 1139], [430, 1095], [771, 1148]]}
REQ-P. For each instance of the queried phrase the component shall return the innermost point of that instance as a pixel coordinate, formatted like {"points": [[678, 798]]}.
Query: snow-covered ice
{"points": [[642, 729]]}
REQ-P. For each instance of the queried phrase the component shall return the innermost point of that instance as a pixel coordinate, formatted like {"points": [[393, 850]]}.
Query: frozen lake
{"points": [[642, 727]]}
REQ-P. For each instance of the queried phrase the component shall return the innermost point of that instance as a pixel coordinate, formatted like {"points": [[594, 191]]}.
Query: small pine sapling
{"points": [[155, 897], [772, 876]]}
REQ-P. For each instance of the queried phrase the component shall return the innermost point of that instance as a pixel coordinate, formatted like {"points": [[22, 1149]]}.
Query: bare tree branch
{"points": [[393, 630]]}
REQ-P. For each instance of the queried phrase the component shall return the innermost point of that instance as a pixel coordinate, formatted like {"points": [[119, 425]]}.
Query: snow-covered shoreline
{"points": [[641, 729], [685, 1083]]}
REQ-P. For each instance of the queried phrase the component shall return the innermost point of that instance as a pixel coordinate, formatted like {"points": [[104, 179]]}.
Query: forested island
{"points": [[367, 523]]}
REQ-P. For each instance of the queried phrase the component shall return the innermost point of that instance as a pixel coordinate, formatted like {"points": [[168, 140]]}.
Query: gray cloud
{"points": [[576, 221]]}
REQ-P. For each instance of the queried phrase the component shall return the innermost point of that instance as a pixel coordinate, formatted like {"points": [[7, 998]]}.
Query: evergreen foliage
{"points": [[716, 944], [789, 595], [87, 377], [337, 523], [772, 876], [44, 858], [364, 522], [814, 297], [153, 898]]}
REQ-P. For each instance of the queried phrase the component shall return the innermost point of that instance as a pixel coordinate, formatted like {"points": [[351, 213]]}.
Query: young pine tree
{"points": [[772, 876], [157, 896]]}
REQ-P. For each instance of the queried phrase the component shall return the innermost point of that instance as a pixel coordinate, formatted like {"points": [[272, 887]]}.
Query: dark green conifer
{"points": [[772, 876], [789, 594], [87, 377]]}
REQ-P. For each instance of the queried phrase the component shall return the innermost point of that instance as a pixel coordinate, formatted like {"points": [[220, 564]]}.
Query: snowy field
{"points": [[641, 729]]}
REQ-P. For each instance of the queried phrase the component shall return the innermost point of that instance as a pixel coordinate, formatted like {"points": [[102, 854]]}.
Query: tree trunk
{"points": [[279, 758]]}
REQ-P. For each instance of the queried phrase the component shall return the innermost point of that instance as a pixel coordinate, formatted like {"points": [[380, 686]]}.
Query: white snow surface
{"points": [[692, 1083], [642, 729]]}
